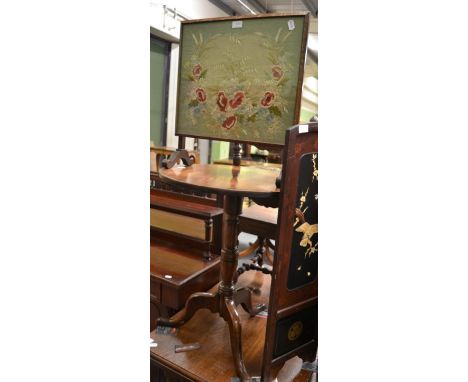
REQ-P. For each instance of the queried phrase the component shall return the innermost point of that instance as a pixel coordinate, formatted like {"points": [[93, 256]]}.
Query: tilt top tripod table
{"points": [[234, 183]]}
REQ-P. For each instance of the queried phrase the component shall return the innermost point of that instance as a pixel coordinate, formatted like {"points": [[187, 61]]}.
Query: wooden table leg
{"points": [[224, 302], [243, 296], [229, 259], [235, 331], [196, 301]]}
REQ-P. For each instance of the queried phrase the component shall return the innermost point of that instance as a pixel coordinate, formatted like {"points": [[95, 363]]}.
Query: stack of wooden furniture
{"points": [[188, 220], [290, 327], [185, 245], [213, 362], [251, 106]]}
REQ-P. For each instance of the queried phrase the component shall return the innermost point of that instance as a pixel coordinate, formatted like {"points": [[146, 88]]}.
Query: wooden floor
{"points": [[213, 361]]}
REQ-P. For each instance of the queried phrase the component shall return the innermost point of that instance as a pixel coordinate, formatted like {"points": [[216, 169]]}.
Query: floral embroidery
{"points": [[222, 101], [229, 122], [196, 71], [231, 93], [277, 72], [237, 100], [201, 95], [267, 99]]}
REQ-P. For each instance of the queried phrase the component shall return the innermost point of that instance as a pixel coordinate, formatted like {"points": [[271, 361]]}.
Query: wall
{"points": [[165, 23]]}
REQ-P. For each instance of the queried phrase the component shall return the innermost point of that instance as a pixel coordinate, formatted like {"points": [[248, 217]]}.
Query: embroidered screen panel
{"points": [[241, 83]]}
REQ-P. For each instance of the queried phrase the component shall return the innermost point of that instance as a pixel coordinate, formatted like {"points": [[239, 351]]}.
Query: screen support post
{"points": [[236, 156]]}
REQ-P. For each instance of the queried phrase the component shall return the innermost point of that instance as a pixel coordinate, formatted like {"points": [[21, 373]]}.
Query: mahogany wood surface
{"points": [[234, 182], [208, 228], [202, 248], [178, 223], [172, 194], [249, 163], [266, 215], [188, 272], [213, 362], [222, 179], [260, 221], [225, 301], [167, 258], [171, 203]]}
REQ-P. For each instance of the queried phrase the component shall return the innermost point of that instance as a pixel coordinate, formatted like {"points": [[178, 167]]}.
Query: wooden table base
{"points": [[226, 300]]}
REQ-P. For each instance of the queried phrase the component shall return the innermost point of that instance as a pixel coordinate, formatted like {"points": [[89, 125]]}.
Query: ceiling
{"points": [[248, 7], [242, 7]]}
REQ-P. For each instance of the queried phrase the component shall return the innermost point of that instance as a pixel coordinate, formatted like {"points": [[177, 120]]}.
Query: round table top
{"points": [[224, 179]]}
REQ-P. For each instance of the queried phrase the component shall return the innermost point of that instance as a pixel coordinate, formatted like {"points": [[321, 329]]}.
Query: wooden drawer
{"points": [[188, 273]]}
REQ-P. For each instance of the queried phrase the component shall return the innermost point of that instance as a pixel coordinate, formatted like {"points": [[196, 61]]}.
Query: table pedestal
{"points": [[225, 301]]}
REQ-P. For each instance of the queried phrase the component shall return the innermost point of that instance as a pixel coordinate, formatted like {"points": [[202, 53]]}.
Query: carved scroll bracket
{"points": [[176, 156]]}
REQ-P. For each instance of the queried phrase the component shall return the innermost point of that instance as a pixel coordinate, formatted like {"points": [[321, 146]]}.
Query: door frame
{"points": [[166, 45]]}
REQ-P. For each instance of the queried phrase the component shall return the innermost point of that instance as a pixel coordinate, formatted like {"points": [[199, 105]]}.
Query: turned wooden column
{"points": [[234, 183], [230, 252], [227, 301], [236, 154]]}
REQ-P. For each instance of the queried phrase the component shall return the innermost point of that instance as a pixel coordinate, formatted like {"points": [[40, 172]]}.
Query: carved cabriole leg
{"points": [[243, 296], [229, 258], [235, 331], [225, 301], [196, 301]]}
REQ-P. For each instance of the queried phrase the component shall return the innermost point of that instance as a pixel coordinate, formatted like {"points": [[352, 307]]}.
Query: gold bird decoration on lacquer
{"points": [[307, 230]]}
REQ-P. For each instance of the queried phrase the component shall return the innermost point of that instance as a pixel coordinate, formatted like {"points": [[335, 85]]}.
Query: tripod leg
{"points": [[195, 302]]}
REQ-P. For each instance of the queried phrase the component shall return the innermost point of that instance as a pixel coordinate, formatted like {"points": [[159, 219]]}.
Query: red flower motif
{"points": [[229, 122], [201, 95], [196, 71], [277, 72], [222, 101], [267, 99], [237, 100]]}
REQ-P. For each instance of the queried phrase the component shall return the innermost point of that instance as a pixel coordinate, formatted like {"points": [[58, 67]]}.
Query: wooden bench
{"points": [[189, 220], [175, 273]]}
